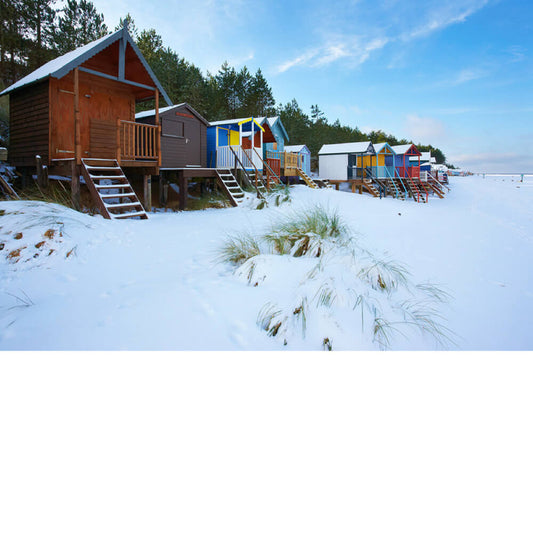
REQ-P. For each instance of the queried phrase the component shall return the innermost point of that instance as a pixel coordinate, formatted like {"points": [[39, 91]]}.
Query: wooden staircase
{"points": [[229, 184], [253, 176], [307, 180], [416, 193], [392, 186], [369, 187], [435, 187], [111, 189], [5, 187], [270, 174]]}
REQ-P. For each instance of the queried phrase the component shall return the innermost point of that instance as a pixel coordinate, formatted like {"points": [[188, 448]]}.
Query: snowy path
{"points": [[151, 285]]}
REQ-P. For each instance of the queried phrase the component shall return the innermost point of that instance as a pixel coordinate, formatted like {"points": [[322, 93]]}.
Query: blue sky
{"points": [[456, 74]]}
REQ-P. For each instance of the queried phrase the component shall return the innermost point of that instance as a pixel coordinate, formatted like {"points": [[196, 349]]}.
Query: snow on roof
{"points": [[295, 147], [347, 148], [60, 66], [55, 65], [151, 112], [400, 149], [379, 146], [230, 121]]}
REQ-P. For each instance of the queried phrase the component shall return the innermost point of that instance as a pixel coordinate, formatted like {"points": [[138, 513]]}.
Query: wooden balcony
{"points": [[138, 142]]}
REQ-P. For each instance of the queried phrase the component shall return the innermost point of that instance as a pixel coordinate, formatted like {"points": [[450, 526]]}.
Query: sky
{"points": [[455, 74]]}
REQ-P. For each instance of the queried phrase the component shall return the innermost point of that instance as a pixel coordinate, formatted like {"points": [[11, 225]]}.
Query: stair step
{"points": [[96, 170], [118, 195], [124, 205], [141, 214]]}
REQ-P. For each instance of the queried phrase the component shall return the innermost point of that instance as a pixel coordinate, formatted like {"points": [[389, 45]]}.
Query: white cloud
{"points": [[354, 30], [424, 129], [492, 161]]}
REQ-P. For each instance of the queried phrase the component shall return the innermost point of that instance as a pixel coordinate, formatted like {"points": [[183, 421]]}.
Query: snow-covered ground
{"points": [[159, 285]]}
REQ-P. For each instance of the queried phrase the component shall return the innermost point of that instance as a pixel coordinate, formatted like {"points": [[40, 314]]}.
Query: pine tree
{"points": [[78, 24], [260, 101], [12, 64], [39, 18]]}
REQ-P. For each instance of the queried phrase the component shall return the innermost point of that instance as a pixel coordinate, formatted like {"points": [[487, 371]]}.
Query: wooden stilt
{"points": [[183, 185], [147, 193], [75, 185], [163, 191], [42, 172]]}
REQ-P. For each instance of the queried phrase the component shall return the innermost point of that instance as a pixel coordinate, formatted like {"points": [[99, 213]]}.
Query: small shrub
{"points": [[238, 249]]}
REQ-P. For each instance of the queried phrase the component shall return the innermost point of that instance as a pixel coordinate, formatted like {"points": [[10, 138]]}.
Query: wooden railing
{"points": [[291, 160], [137, 141], [226, 157]]}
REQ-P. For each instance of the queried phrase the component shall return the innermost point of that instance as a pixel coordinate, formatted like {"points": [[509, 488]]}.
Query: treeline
{"points": [[33, 32]]}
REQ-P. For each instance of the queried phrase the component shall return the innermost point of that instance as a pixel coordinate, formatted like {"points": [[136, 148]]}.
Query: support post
{"points": [[75, 185], [77, 126], [42, 172], [182, 183], [163, 191], [158, 133], [147, 192]]}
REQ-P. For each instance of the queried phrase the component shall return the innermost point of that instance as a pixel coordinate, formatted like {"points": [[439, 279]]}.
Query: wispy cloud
{"points": [[424, 129], [517, 53], [376, 27]]}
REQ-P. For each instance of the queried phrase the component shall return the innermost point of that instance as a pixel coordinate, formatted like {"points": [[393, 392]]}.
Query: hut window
{"points": [[173, 128]]}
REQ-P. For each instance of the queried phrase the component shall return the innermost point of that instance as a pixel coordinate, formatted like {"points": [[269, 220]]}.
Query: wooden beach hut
{"points": [[183, 135], [304, 156], [407, 168], [78, 113], [343, 163], [235, 141]]}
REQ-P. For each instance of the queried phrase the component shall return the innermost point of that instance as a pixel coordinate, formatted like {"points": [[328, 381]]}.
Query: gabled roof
{"points": [[403, 149], [296, 148], [61, 66], [151, 112], [381, 146], [234, 121], [272, 121], [424, 157], [363, 147]]}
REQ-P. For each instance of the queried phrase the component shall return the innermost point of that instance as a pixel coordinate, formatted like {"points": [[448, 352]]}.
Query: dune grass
{"points": [[342, 283]]}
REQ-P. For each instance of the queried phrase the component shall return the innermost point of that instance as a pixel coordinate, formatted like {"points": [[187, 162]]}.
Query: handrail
{"points": [[268, 167], [401, 182], [137, 140], [375, 181], [244, 168]]}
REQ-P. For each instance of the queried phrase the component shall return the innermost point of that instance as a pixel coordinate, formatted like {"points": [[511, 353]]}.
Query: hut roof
{"points": [[363, 147], [402, 149], [272, 122], [296, 148], [60, 66], [380, 146], [151, 112]]}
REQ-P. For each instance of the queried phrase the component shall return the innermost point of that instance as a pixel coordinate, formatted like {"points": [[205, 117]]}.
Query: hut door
{"points": [[192, 146], [64, 125], [351, 164]]}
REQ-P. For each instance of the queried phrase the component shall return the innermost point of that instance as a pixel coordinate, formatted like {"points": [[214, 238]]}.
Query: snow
{"points": [[97, 284], [346, 148], [53, 66], [151, 112]]}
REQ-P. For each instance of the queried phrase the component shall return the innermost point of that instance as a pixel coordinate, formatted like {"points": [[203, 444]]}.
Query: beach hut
{"points": [[183, 135], [382, 163], [79, 108], [238, 142], [273, 152], [405, 166], [304, 156], [343, 161]]}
